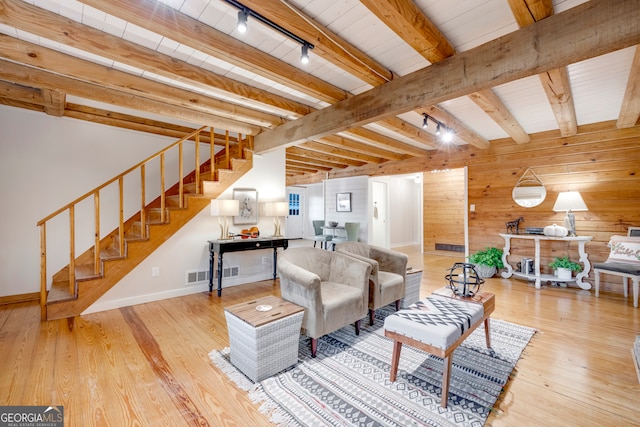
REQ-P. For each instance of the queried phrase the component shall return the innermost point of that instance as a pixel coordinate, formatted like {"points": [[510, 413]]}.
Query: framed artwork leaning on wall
{"points": [[248, 200]]}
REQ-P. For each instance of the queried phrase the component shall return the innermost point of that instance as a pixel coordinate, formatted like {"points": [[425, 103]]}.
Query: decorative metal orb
{"points": [[463, 279]]}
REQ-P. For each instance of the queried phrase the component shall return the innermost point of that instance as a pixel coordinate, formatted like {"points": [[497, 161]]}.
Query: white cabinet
{"points": [[584, 259]]}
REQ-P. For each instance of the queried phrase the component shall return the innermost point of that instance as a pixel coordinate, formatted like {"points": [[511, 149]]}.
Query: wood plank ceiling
{"points": [[488, 70]]}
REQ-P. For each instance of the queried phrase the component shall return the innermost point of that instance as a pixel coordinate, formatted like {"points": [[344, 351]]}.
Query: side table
{"points": [[412, 287], [537, 276], [264, 343]]}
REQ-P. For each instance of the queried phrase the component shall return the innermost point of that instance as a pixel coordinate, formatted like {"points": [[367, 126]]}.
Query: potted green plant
{"points": [[564, 267], [487, 261]]}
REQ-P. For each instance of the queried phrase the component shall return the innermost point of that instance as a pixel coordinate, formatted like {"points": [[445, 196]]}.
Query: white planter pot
{"points": [[563, 273], [484, 271]]}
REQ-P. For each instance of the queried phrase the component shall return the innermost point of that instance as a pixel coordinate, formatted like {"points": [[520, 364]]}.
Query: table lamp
{"points": [[569, 201], [276, 210], [223, 209]]}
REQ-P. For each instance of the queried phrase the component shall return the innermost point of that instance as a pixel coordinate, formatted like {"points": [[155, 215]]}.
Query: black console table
{"points": [[238, 245]]}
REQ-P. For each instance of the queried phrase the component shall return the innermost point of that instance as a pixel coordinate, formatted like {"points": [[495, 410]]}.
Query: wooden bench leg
{"points": [[636, 285], [395, 359], [446, 373], [487, 332], [597, 275]]}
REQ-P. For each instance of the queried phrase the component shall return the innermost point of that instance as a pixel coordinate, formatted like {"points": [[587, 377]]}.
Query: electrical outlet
{"points": [[265, 260], [155, 271]]}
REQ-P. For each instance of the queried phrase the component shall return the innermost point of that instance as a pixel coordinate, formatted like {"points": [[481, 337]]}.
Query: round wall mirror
{"points": [[529, 190]]}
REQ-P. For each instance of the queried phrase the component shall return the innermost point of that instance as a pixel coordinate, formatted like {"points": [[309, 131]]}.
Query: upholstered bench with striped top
{"points": [[437, 325]]}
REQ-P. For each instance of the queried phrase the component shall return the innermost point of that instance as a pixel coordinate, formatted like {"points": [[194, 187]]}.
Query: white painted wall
{"points": [[46, 162]]}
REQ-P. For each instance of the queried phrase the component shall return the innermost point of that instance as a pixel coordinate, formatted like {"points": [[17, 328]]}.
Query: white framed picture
{"points": [[343, 202], [248, 200]]}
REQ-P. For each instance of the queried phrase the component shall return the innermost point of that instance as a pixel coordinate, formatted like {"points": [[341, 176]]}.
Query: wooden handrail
{"points": [[112, 180]]}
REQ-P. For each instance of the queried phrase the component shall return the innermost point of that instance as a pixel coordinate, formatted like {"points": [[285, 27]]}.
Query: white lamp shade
{"points": [[276, 209], [225, 207], [569, 201]]}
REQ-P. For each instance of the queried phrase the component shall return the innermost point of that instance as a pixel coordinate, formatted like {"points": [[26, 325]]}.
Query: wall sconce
{"points": [[223, 209], [276, 210], [570, 201]]}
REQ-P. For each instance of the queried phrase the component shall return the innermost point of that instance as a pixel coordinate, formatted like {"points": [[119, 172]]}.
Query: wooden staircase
{"points": [[121, 250]]}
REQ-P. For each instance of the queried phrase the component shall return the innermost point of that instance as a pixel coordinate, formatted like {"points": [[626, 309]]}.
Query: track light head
{"points": [[304, 58], [242, 20], [425, 121], [448, 136], [438, 129]]}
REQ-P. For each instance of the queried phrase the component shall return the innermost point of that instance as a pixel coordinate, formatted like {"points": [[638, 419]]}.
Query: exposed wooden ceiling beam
{"points": [[350, 144], [323, 152], [407, 20], [381, 141], [28, 76], [311, 167], [55, 27], [20, 93], [37, 56], [341, 53], [53, 101], [554, 82], [184, 29], [460, 130], [160, 18], [342, 152], [328, 44], [591, 29], [311, 160], [630, 109]]}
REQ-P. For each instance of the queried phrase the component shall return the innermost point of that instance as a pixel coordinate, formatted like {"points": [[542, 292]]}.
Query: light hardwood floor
{"points": [[148, 365]]}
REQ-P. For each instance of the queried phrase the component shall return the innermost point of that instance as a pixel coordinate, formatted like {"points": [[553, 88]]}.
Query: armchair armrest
{"points": [[299, 286], [388, 260]]}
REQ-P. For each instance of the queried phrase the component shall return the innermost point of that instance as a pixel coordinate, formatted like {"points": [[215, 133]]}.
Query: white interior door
{"points": [[294, 222], [379, 215]]}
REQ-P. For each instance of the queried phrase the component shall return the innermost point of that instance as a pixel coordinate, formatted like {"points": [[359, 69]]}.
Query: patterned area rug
{"points": [[347, 384]]}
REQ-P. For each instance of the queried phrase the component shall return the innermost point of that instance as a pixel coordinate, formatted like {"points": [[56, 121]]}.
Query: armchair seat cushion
{"points": [[339, 303]]}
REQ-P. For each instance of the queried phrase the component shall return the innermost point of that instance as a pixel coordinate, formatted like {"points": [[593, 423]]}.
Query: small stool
{"points": [[263, 340], [437, 325]]}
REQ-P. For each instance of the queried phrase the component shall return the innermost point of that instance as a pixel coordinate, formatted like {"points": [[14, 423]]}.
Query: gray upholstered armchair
{"points": [[332, 287], [388, 273]]}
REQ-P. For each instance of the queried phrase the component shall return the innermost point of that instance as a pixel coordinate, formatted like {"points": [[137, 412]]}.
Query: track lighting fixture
{"points": [[242, 20], [447, 135], [243, 15]]}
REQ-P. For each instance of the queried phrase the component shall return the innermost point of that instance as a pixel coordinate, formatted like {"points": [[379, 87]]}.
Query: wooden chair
{"points": [[624, 261]]}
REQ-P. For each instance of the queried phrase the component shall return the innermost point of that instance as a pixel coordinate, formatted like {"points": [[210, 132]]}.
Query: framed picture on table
{"points": [[343, 202], [248, 200]]}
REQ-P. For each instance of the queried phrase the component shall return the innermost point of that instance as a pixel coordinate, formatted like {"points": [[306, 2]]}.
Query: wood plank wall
{"points": [[601, 161], [443, 210]]}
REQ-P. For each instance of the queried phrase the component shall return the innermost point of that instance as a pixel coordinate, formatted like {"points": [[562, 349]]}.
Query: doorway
{"points": [[294, 221], [379, 223]]}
